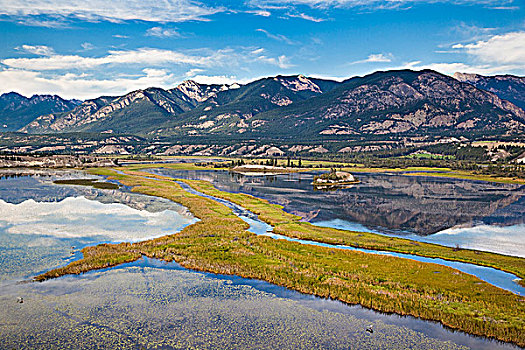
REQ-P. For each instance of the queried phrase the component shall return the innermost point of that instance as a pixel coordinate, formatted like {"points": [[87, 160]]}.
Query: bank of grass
{"points": [[219, 243], [176, 166], [291, 226], [467, 175]]}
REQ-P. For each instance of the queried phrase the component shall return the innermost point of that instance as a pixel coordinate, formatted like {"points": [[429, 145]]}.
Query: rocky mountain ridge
{"points": [[17, 110], [507, 87], [401, 103]]}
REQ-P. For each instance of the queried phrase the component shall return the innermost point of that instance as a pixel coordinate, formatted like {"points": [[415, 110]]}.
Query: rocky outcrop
{"points": [[299, 83], [507, 87]]}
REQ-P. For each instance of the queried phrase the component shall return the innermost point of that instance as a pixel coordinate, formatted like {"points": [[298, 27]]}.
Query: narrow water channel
{"points": [[498, 278]]}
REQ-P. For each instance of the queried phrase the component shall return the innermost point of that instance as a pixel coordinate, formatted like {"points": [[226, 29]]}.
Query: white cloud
{"points": [[45, 23], [87, 46], [505, 8], [146, 57], [215, 79], [375, 58], [81, 86], [450, 68], [305, 17], [149, 56], [193, 72], [114, 10], [471, 32], [498, 54], [381, 4], [278, 37], [263, 13], [161, 32], [40, 50], [282, 61], [505, 49], [257, 51], [378, 58]]}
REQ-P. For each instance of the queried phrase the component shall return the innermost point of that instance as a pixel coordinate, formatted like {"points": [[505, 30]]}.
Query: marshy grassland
{"points": [[220, 243], [353, 168]]}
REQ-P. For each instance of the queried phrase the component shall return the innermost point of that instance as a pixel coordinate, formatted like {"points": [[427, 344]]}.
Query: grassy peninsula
{"points": [[292, 226], [219, 243]]}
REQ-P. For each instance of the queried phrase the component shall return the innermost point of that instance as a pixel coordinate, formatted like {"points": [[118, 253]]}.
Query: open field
{"points": [[219, 243]]}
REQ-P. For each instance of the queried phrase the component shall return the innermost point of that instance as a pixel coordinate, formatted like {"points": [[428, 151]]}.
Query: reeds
{"points": [[219, 243]]}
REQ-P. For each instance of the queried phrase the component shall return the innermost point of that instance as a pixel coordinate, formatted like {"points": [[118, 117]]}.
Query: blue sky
{"points": [[84, 49]]}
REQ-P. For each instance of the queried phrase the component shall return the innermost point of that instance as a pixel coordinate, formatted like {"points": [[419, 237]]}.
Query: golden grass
{"points": [[219, 243]]}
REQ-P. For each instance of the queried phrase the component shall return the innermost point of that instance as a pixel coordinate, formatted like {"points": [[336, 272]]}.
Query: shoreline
{"points": [[232, 250]]}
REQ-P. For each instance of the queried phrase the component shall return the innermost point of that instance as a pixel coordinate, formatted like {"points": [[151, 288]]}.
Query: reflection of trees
{"points": [[423, 205]]}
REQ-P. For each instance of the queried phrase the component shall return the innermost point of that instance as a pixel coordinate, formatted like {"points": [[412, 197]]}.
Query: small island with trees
{"points": [[334, 179]]}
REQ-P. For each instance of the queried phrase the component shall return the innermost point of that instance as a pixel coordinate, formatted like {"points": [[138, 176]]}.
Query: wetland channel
{"points": [[153, 304]]}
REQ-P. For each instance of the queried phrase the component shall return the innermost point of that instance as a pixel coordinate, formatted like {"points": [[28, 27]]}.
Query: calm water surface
{"points": [[150, 304], [472, 214]]}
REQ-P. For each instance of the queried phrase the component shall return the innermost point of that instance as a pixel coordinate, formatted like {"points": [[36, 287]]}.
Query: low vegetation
{"points": [[292, 226], [219, 243]]}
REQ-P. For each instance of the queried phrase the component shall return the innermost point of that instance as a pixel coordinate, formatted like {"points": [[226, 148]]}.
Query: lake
{"points": [[152, 304], [471, 214]]}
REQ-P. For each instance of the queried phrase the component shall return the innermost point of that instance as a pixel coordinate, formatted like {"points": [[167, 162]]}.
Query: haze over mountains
{"points": [[382, 104]]}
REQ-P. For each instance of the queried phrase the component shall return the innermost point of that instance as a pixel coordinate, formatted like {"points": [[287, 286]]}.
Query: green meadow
{"points": [[219, 243]]}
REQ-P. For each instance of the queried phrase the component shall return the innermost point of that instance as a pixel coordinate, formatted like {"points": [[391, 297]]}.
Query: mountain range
{"points": [[507, 87], [385, 104], [16, 110]]}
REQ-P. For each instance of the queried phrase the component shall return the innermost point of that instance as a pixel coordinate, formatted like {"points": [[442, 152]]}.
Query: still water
{"points": [[471, 214], [151, 304]]}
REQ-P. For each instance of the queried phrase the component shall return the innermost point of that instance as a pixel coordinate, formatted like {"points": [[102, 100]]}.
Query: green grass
{"points": [[175, 166], [219, 243], [428, 156], [471, 176], [290, 225]]}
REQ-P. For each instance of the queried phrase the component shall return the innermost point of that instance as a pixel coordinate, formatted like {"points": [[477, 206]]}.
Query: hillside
{"points": [[17, 111], [507, 87], [382, 105], [129, 113]]}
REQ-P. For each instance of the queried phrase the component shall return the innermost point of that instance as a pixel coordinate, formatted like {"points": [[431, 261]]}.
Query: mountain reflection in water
{"points": [[393, 203]]}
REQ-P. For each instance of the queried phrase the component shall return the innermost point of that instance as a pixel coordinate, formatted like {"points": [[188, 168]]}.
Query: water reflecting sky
{"points": [[422, 205], [472, 214]]}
